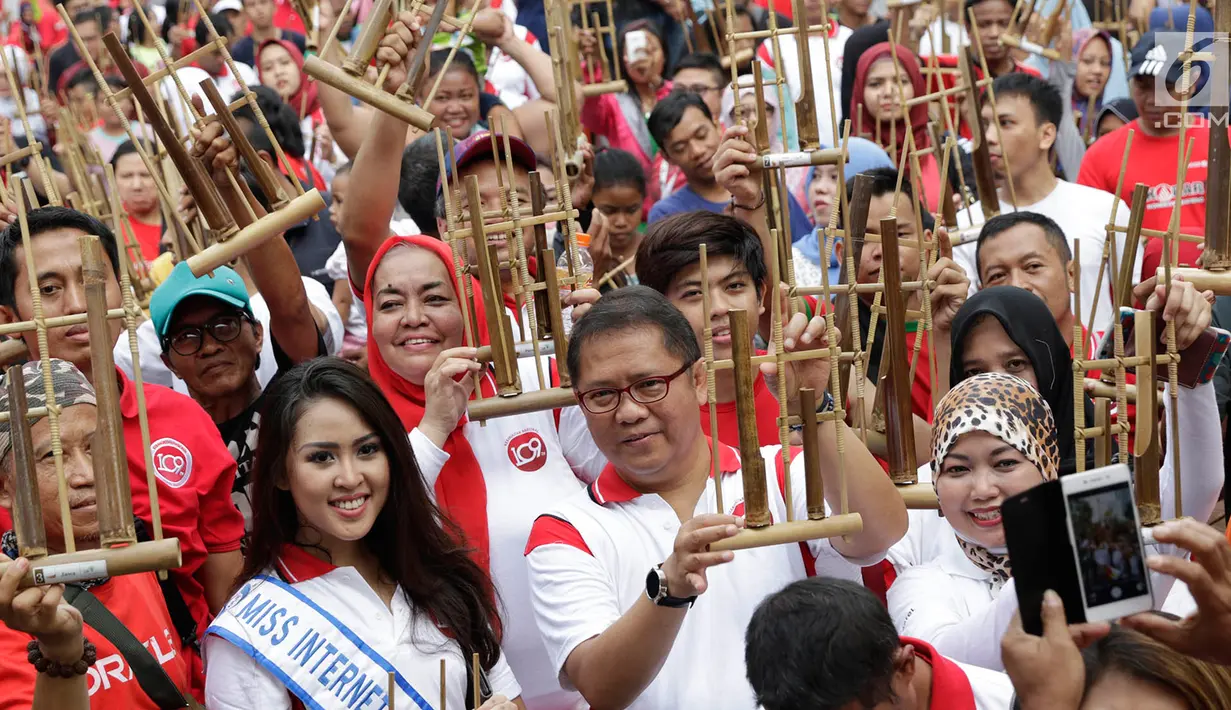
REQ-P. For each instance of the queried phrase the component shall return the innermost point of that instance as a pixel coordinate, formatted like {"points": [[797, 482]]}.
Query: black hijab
{"points": [[1030, 325]]}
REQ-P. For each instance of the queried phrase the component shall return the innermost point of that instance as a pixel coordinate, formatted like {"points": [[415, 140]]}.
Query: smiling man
{"points": [[674, 638], [1020, 138]]}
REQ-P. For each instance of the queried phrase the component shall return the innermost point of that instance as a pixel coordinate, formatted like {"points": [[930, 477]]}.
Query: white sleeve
{"points": [[580, 451], [908, 551], [829, 562], [501, 679], [320, 297], [1201, 463], [153, 370], [926, 604], [235, 681], [964, 256], [573, 598], [431, 458]]}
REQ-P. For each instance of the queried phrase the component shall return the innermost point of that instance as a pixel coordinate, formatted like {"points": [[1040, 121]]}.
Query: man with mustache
{"points": [[193, 470], [38, 619], [1021, 132]]}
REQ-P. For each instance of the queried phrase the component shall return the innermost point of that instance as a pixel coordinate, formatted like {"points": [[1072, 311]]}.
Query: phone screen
{"points": [[1110, 557], [636, 45]]}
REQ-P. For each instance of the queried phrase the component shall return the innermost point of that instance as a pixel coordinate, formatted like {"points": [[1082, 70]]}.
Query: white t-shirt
{"points": [[153, 371], [579, 593], [510, 80], [403, 636], [191, 78], [939, 30], [822, 89], [530, 463], [1082, 213]]}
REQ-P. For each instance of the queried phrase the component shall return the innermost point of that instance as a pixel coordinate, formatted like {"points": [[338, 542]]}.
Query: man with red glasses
{"points": [[625, 639]]}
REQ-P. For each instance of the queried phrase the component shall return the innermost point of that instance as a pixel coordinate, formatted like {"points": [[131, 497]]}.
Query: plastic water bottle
{"points": [[583, 270]]}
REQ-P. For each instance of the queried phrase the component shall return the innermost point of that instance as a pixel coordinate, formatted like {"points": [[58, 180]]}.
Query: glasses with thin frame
{"points": [[647, 390], [188, 340]]}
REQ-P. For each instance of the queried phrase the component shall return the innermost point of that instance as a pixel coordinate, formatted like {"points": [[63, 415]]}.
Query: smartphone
{"points": [[1105, 533], [1198, 361], [636, 46], [1042, 554]]}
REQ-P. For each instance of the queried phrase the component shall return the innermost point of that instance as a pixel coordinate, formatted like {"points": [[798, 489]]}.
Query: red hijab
{"points": [[918, 114], [460, 490], [307, 85]]}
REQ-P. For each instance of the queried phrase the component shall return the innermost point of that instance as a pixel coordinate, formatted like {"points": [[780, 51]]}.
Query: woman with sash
{"points": [[495, 478], [353, 580]]}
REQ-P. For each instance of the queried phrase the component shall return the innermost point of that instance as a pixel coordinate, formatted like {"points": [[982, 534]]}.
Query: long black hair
{"points": [[416, 546]]}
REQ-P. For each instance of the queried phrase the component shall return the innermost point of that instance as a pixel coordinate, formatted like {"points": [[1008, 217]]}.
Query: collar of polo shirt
{"points": [[610, 487]]}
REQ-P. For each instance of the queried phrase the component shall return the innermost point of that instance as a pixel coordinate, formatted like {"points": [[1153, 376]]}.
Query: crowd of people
{"points": [[350, 537]]}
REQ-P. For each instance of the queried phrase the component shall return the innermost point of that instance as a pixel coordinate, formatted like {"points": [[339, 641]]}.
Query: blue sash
{"points": [[325, 664]]}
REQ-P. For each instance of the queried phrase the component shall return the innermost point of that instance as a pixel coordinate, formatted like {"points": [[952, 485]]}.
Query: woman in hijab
{"points": [[962, 600], [279, 65], [878, 111], [747, 108], [492, 480], [821, 184], [1115, 114]]}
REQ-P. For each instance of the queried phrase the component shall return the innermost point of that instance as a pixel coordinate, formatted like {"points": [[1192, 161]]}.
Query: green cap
{"points": [[223, 284]]}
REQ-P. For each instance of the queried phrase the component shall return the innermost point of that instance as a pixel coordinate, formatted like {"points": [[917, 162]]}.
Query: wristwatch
{"points": [[827, 405], [656, 590]]}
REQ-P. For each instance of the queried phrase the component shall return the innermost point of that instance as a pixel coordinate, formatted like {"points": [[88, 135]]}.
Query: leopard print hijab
{"points": [[1010, 409]]}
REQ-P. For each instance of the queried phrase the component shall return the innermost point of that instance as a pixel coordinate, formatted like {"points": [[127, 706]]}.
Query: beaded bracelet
{"points": [[55, 669]]}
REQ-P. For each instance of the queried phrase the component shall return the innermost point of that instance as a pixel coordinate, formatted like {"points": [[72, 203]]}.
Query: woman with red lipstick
{"points": [[352, 573], [878, 108], [492, 479]]}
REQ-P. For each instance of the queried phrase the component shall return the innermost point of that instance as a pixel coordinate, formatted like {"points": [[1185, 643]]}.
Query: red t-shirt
{"points": [[728, 422], [137, 602], [921, 386], [286, 18], [1153, 162], [148, 237], [951, 688]]}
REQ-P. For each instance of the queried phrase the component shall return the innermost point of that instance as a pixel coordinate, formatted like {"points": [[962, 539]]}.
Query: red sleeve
{"points": [[221, 524], [597, 113], [766, 57], [1090, 173], [550, 530], [17, 681]]}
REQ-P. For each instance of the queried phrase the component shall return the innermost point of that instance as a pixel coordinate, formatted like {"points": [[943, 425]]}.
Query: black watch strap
{"points": [[656, 590]]}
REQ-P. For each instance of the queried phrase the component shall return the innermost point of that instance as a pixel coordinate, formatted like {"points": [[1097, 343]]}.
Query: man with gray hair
{"points": [[37, 622]]}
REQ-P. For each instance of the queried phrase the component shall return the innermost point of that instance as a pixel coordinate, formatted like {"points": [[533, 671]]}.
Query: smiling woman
{"points": [[348, 545]]}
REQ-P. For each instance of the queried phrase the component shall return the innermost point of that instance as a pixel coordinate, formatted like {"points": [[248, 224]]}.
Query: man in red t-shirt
{"points": [[139, 195], [135, 600], [1154, 154], [193, 468]]}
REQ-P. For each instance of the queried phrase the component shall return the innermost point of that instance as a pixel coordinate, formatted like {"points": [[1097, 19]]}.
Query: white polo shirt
{"points": [[957, 686], [403, 636], [589, 558], [530, 463]]}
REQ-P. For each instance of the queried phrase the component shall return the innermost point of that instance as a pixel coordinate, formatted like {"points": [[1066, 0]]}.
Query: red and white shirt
{"points": [[136, 601], [402, 635], [957, 686], [531, 463], [589, 557]]}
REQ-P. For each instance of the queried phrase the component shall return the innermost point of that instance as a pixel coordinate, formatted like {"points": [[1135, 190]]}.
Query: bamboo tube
{"points": [[711, 381], [920, 496], [115, 522], [787, 533], [538, 204], [508, 382], [1102, 444], [267, 227], [40, 329], [899, 429], [813, 482], [523, 403], [1079, 358], [27, 504], [209, 204], [805, 104], [756, 494], [606, 87], [556, 316], [1146, 444], [1218, 180], [373, 30], [273, 191], [476, 673], [985, 182], [323, 71], [827, 156], [72, 567]]}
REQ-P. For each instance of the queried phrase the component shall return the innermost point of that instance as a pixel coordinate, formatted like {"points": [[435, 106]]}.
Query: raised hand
{"points": [[1047, 671], [800, 333], [735, 167], [1191, 309], [396, 48], [1204, 634], [42, 613], [952, 284]]}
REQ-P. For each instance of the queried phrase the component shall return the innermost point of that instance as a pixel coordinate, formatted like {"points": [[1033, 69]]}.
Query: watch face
{"points": [[652, 584]]}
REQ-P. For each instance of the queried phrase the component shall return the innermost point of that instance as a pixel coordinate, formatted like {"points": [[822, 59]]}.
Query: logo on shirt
{"points": [[172, 462], [527, 451]]}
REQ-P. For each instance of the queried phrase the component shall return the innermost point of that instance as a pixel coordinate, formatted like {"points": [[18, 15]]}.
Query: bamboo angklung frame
{"points": [[1015, 35], [560, 16], [120, 552], [349, 78]]}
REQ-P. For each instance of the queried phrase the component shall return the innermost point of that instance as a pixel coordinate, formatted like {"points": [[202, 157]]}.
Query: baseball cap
{"points": [[224, 284], [224, 5], [479, 147], [1149, 58]]}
